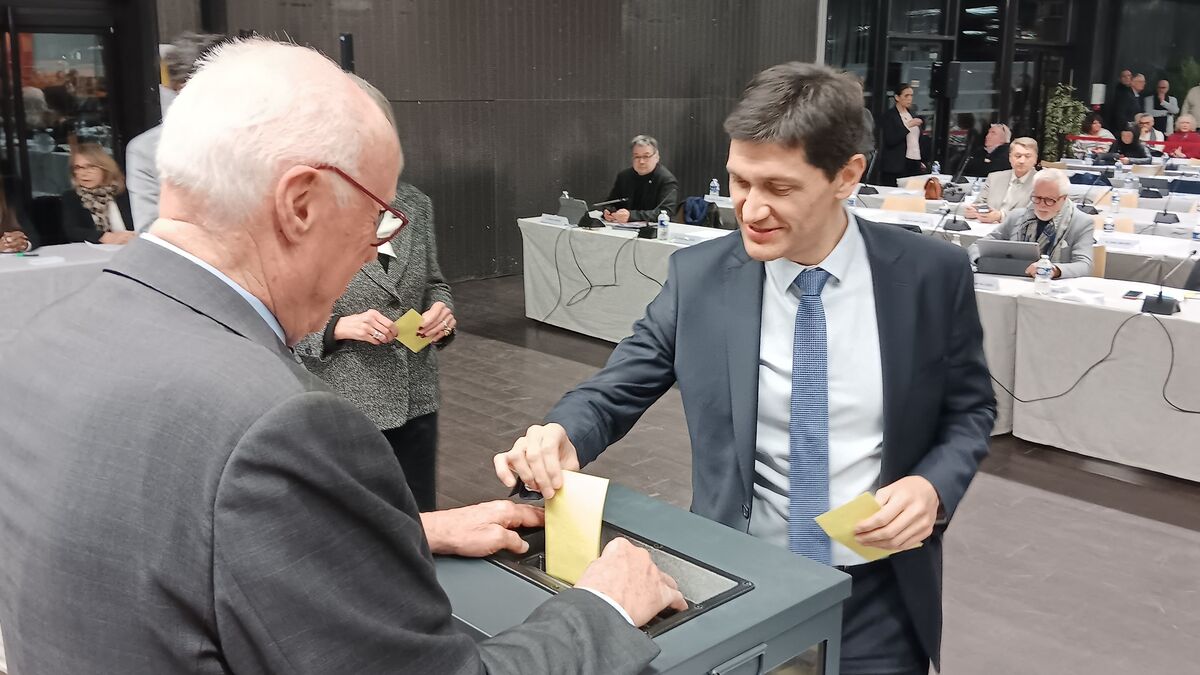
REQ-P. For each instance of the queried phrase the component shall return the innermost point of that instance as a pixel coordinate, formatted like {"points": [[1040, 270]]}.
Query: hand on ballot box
{"points": [[480, 529], [538, 459], [626, 574]]}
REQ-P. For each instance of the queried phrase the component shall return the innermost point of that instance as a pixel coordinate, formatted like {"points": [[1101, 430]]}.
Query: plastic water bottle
{"points": [[1045, 271], [1116, 202], [1110, 225], [956, 240], [1196, 233], [1128, 177], [976, 187], [852, 200], [937, 168], [663, 221], [714, 188]]}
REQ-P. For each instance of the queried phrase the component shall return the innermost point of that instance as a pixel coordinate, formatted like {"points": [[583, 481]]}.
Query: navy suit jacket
{"points": [[702, 332]]}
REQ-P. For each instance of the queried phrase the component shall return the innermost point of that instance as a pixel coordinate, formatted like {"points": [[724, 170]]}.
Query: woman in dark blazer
{"points": [[97, 209], [358, 356], [900, 133]]}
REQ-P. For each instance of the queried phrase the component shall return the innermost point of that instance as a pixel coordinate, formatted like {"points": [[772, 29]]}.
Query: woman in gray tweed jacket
{"points": [[359, 357]]}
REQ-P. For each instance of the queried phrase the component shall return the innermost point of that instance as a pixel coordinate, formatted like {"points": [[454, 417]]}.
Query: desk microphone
{"points": [[955, 224], [958, 175], [1164, 217], [1086, 204], [1160, 304], [611, 202]]}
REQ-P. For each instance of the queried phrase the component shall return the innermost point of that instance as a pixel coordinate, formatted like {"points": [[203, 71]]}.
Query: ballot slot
{"points": [[704, 587]]}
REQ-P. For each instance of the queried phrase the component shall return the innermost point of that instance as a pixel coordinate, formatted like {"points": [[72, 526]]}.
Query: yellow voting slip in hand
{"points": [[573, 525], [839, 524], [406, 331]]}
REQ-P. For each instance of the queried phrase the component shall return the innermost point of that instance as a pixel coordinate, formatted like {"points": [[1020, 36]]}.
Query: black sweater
{"points": [[646, 195]]}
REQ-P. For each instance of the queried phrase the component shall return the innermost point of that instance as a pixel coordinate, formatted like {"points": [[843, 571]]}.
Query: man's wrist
{"points": [[610, 601]]}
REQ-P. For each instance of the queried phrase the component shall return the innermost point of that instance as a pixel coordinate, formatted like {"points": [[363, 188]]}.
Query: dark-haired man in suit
{"points": [[819, 356]]}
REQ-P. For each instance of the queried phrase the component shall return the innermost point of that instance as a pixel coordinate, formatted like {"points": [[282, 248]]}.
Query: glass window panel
{"points": [[1043, 20], [65, 90], [925, 17], [848, 39]]}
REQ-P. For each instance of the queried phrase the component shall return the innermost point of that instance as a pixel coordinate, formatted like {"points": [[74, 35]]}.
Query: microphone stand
{"points": [[1164, 217], [1164, 304], [1087, 207]]}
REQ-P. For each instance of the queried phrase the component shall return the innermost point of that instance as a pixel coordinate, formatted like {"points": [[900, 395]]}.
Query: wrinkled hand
{"points": [[971, 213], [480, 529], [1178, 154], [538, 458], [437, 322], [123, 237], [626, 574], [990, 217], [908, 510], [619, 216], [371, 327], [13, 242]]}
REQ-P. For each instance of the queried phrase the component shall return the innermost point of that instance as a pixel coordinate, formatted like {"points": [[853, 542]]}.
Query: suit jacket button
{"points": [[746, 511]]}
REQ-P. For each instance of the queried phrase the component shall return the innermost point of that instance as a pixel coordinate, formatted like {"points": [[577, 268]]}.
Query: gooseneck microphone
{"points": [[1163, 217], [1165, 304], [1086, 203]]}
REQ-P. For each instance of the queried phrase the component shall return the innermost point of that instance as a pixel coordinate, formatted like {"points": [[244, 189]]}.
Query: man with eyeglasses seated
{"points": [[647, 187], [993, 155], [1062, 231], [1148, 134], [1008, 190]]}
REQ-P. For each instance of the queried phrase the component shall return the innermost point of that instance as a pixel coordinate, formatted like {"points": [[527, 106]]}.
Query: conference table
{"points": [[598, 282], [29, 284]]}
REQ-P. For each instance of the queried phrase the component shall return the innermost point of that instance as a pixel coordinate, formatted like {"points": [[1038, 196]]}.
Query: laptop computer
{"points": [[1011, 258]]}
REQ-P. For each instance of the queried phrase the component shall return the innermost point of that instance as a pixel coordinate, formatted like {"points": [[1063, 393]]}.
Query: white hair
{"points": [[1055, 176], [1006, 131], [253, 109]]}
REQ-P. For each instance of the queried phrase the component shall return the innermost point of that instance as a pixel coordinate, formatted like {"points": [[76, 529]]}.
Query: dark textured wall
{"points": [[176, 16], [502, 104]]}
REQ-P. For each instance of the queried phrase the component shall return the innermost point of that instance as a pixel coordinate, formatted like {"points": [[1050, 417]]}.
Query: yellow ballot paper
{"points": [[406, 331], [573, 525], [839, 524]]}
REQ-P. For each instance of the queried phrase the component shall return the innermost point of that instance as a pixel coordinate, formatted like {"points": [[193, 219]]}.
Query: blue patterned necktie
{"points": [[808, 424]]}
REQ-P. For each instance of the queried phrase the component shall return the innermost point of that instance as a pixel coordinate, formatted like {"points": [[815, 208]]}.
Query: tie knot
{"points": [[811, 281]]}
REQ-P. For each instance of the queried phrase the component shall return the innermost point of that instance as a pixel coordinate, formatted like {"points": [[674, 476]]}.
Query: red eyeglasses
{"points": [[385, 230]]}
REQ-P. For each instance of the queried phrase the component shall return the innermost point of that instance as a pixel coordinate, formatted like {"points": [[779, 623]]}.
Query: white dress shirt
{"points": [[912, 148], [855, 374], [116, 222]]}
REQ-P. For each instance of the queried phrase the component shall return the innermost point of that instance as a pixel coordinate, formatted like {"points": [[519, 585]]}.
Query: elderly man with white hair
{"points": [[993, 156], [1062, 231], [194, 501]]}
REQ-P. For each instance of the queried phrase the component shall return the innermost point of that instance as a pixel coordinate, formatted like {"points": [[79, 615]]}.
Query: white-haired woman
{"points": [[358, 356], [1063, 232]]}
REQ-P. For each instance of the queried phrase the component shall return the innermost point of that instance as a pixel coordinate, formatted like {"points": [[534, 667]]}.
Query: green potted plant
{"points": [[1064, 114]]}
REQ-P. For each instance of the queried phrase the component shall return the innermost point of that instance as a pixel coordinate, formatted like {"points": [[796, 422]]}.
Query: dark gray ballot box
{"points": [[752, 606]]}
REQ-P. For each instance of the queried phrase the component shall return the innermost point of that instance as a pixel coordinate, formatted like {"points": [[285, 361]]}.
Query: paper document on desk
{"points": [[406, 331], [839, 524], [105, 247], [573, 525]]}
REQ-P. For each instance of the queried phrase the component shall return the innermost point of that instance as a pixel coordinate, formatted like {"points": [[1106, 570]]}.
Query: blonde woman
{"points": [[97, 209]]}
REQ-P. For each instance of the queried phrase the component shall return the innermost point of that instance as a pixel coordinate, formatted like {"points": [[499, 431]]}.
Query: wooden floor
{"points": [[1055, 563]]}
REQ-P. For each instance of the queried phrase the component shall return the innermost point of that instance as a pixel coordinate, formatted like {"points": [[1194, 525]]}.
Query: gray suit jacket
{"points": [[388, 382], [179, 495], [1000, 193], [141, 177], [1072, 252], [702, 333]]}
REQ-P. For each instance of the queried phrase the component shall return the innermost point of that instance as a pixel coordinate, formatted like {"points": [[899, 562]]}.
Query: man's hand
{"points": [[538, 458], [971, 213], [619, 216], [990, 217], [480, 529], [908, 509], [626, 574]]}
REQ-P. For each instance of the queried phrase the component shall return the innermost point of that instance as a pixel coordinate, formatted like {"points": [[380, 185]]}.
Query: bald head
{"points": [[246, 160]]}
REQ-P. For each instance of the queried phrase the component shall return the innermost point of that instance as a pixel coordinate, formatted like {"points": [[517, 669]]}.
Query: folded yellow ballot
{"points": [[573, 525], [406, 331], [839, 524]]}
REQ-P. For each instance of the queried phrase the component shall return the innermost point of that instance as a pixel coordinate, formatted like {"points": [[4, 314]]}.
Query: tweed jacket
{"points": [[390, 384]]}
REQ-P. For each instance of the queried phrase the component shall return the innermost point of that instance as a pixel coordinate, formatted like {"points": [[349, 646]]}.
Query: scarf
{"points": [[96, 201], [1027, 229]]}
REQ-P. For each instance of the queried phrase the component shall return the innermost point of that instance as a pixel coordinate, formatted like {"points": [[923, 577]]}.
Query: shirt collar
{"points": [[1022, 179], [257, 304], [783, 272]]}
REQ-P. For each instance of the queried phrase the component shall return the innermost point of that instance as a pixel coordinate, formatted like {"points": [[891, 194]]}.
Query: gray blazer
{"points": [[388, 382], [1000, 193], [702, 333], [141, 177], [1072, 252], [182, 496]]}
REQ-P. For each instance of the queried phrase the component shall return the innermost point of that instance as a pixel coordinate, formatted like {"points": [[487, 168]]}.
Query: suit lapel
{"points": [[895, 313], [388, 280], [196, 288], [742, 316]]}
